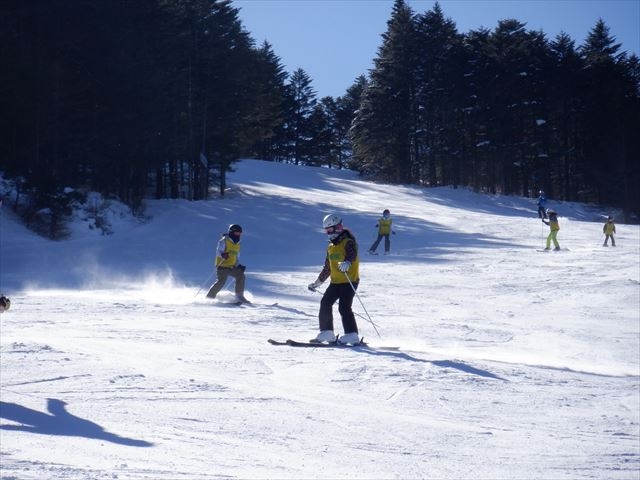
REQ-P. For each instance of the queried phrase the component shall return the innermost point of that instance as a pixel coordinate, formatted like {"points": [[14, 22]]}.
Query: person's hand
{"points": [[313, 286], [344, 266]]}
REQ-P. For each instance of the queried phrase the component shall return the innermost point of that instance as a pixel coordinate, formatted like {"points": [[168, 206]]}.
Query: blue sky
{"points": [[335, 41]]}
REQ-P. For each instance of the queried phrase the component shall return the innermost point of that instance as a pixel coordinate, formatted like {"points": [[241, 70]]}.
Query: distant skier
{"points": [[384, 230], [341, 265], [554, 227], [5, 303], [227, 255], [609, 229], [542, 205]]}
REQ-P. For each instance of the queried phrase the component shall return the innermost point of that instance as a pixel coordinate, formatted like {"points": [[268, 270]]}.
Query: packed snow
{"points": [[513, 362]]}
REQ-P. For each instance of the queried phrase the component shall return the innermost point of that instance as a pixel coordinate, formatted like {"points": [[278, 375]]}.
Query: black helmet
{"points": [[5, 303], [235, 228], [386, 210]]}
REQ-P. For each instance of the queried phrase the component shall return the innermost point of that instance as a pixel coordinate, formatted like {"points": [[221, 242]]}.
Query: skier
{"points": [[609, 229], [542, 203], [341, 266], [227, 254], [5, 303], [384, 230], [554, 226]]}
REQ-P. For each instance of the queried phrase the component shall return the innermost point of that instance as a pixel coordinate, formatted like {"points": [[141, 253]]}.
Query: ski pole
{"points": [[363, 307], [206, 282]]}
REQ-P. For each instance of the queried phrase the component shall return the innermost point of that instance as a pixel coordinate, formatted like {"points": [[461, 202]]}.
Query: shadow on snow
{"points": [[59, 422], [463, 367]]}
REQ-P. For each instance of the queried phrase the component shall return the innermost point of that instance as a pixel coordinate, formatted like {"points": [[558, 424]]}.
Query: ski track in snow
{"points": [[513, 363]]}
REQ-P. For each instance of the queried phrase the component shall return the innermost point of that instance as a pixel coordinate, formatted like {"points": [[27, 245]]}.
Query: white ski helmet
{"points": [[331, 220]]}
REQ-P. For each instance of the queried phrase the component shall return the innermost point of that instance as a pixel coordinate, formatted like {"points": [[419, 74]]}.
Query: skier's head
{"points": [[552, 213], [332, 225], [540, 192], [386, 213], [610, 219], [5, 303], [234, 231]]}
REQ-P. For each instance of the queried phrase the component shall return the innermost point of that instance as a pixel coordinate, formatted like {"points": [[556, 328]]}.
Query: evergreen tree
{"points": [[439, 91], [384, 128], [565, 92], [611, 102], [298, 127], [270, 78], [346, 109]]}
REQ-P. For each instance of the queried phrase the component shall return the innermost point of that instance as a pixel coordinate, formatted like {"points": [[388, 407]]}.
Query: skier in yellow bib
{"points": [[554, 228], [227, 254], [341, 265], [609, 229], [384, 230]]}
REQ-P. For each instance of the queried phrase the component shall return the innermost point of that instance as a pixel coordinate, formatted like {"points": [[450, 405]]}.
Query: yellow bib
{"points": [[233, 249], [335, 254], [384, 226]]}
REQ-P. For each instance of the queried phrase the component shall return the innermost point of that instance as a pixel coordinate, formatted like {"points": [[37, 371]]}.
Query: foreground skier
{"points": [[341, 266]]}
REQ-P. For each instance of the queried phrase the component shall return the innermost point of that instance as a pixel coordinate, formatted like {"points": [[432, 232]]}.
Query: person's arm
{"points": [[221, 249], [350, 251], [326, 271]]}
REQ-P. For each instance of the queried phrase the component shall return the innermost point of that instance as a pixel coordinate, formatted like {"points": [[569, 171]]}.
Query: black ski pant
{"points": [[542, 212], [344, 293]]}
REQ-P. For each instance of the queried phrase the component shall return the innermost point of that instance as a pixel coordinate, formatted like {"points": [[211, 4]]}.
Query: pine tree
{"points": [[384, 128], [298, 126], [439, 91], [607, 97]]}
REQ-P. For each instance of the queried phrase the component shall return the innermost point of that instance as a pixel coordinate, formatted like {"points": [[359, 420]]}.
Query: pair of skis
{"points": [[336, 344]]}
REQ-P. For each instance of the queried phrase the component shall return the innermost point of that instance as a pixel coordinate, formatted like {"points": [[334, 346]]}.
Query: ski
{"points": [[295, 343]]}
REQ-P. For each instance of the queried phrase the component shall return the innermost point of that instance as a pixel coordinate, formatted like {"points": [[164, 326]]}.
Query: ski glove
{"points": [[313, 286], [344, 266]]}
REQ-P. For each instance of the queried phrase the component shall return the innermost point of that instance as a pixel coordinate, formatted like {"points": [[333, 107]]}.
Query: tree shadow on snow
{"points": [[59, 422], [463, 367]]}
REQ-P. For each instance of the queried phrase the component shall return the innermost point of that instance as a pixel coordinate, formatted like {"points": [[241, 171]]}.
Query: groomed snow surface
{"points": [[514, 363]]}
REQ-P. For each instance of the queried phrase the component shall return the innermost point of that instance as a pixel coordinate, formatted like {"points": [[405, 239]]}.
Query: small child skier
{"points": [[609, 229], [554, 227], [384, 230], [227, 254], [542, 203]]}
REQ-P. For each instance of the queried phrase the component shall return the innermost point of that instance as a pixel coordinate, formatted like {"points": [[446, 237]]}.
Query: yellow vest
{"points": [[335, 254], [384, 226], [233, 249], [554, 224], [609, 228]]}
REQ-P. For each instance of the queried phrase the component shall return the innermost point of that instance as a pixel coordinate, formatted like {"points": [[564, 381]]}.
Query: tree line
{"points": [[158, 98], [503, 111]]}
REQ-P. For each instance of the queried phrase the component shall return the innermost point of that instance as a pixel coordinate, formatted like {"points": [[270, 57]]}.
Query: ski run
{"points": [[511, 363]]}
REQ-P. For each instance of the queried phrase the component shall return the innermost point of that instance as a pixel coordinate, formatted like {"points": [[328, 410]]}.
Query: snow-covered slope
{"points": [[513, 363]]}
